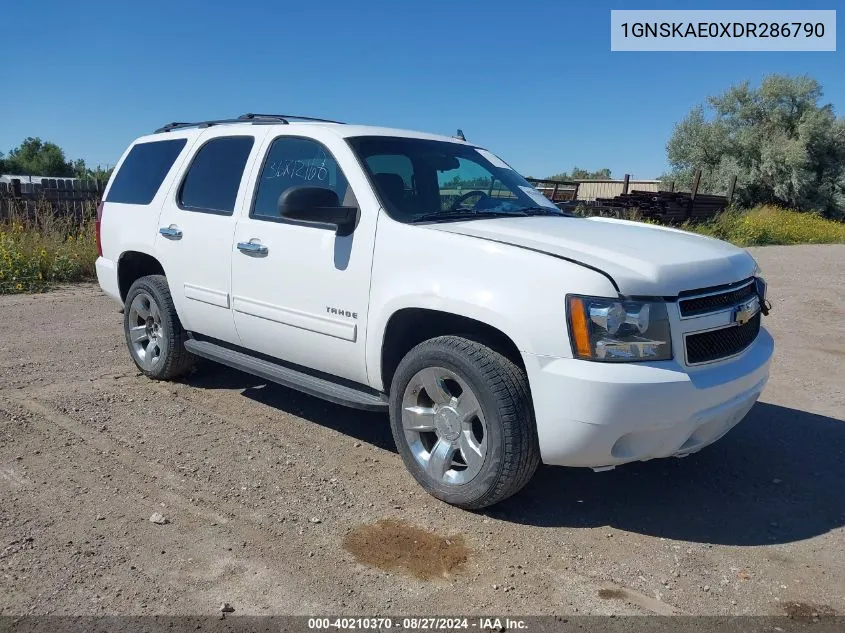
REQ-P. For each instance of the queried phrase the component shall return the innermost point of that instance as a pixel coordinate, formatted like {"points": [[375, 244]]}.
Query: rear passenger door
{"points": [[196, 228]]}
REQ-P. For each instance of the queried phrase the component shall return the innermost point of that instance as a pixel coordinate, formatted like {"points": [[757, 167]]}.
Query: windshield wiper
{"points": [[460, 214], [545, 211]]}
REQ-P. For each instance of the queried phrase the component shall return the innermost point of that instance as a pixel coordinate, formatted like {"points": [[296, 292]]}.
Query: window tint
{"points": [[295, 162], [393, 164], [393, 175], [212, 181], [143, 171]]}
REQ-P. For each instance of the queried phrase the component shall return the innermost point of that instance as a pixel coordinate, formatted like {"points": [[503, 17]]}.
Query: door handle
{"points": [[253, 247], [171, 232]]}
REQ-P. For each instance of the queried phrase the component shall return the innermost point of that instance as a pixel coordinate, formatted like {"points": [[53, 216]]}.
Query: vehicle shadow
{"points": [[365, 426], [777, 477]]}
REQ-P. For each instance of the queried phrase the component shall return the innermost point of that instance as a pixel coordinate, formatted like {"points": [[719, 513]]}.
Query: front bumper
{"points": [[603, 414]]}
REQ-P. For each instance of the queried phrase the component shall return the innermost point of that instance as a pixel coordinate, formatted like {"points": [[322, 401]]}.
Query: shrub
{"points": [[41, 250], [767, 225]]}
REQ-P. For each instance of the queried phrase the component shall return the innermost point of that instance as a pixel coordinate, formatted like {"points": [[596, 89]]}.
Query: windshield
{"points": [[420, 180]]}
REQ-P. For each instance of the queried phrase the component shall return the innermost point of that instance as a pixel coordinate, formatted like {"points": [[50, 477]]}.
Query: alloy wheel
{"points": [[146, 330], [444, 426]]}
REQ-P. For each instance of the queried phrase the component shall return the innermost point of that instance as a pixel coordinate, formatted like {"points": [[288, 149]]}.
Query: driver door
{"points": [[301, 291]]}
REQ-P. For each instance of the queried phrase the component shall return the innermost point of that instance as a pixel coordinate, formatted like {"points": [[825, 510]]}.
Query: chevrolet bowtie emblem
{"points": [[744, 312]]}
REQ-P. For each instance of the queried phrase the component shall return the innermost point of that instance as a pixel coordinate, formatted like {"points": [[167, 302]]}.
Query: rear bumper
{"points": [[107, 278], [602, 414]]}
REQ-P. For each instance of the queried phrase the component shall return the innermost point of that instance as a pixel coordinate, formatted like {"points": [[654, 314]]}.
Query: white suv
{"points": [[422, 276]]}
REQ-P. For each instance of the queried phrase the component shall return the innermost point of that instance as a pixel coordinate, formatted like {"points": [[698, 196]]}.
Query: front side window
{"points": [[212, 182], [421, 180], [295, 162]]}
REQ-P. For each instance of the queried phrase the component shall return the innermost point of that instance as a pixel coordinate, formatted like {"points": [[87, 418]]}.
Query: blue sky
{"points": [[533, 81]]}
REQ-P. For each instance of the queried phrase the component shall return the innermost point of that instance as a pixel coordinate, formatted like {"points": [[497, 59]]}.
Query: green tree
{"points": [[37, 158], [780, 142], [82, 171], [98, 173], [583, 174]]}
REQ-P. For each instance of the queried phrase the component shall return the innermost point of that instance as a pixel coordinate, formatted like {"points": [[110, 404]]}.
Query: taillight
{"points": [[97, 228]]}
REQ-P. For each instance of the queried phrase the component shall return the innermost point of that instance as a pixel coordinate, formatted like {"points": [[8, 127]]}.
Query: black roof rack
{"points": [[283, 117], [249, 117]]}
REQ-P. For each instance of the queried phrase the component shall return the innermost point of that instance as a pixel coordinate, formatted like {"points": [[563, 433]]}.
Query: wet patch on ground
{"points": [[612, 594], [394, 545]]}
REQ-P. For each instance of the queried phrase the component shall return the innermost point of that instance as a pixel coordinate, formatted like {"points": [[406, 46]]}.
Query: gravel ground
{"points": [[279, 503]]}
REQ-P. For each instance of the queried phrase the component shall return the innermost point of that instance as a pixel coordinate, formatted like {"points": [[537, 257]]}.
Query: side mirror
{"points": [[316, 205]]}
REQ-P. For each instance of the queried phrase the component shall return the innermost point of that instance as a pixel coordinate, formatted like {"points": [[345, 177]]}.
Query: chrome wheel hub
{"points": [[146, 330], [444, 426], [447, 423]]}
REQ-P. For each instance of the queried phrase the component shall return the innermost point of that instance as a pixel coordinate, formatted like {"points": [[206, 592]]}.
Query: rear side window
{"points": [[143, 171], [211, 184]]}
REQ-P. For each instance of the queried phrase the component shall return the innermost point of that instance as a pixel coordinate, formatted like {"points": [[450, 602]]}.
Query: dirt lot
{"points": [[272, 497]]}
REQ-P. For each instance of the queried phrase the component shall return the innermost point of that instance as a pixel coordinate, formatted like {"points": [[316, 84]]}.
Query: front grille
{"points": [[714, 303], [716, 344]]}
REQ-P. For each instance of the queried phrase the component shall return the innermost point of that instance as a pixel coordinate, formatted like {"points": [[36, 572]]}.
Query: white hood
{"points": [[643, 259]]}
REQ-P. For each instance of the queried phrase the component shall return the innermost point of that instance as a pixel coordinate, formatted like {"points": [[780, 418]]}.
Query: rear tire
{"points": [[462, 420], [154, 333]]}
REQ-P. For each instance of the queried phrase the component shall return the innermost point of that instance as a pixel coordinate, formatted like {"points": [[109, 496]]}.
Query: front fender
{"points": [[517, 291]]}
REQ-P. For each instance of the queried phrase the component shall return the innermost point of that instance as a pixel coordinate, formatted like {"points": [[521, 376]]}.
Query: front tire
{"points": [[154, 333], [462, 420]]}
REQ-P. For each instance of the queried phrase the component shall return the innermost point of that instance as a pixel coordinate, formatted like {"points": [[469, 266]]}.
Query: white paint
{"points": [[304, 320], [207, 295]]}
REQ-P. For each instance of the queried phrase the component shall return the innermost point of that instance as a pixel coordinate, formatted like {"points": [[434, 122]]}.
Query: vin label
{"points": [[723, 30]]}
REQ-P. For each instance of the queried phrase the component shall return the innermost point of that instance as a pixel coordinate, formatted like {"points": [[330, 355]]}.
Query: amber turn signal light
{"points": [[580, 328]]}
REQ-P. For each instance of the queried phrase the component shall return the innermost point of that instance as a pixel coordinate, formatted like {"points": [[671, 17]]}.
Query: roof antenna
{"points": [[460, 135]]}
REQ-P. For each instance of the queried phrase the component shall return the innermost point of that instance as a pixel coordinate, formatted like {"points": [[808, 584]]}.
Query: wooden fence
{"points": [[61, 196]]}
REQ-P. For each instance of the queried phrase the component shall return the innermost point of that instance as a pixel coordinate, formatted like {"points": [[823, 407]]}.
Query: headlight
{"points": [[611, 330]]}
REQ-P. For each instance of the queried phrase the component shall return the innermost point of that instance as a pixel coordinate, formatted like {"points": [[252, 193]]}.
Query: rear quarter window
{"points": [[141, 174]]}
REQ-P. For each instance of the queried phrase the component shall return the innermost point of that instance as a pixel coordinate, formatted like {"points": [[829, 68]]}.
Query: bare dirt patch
{"points": [[394, 545]]}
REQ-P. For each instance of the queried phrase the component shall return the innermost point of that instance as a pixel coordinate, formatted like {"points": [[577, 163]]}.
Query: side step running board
{"points": [[275, 372]]}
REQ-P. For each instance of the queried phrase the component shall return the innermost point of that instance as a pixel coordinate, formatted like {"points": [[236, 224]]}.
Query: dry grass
{"points": [[38, 252]]}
